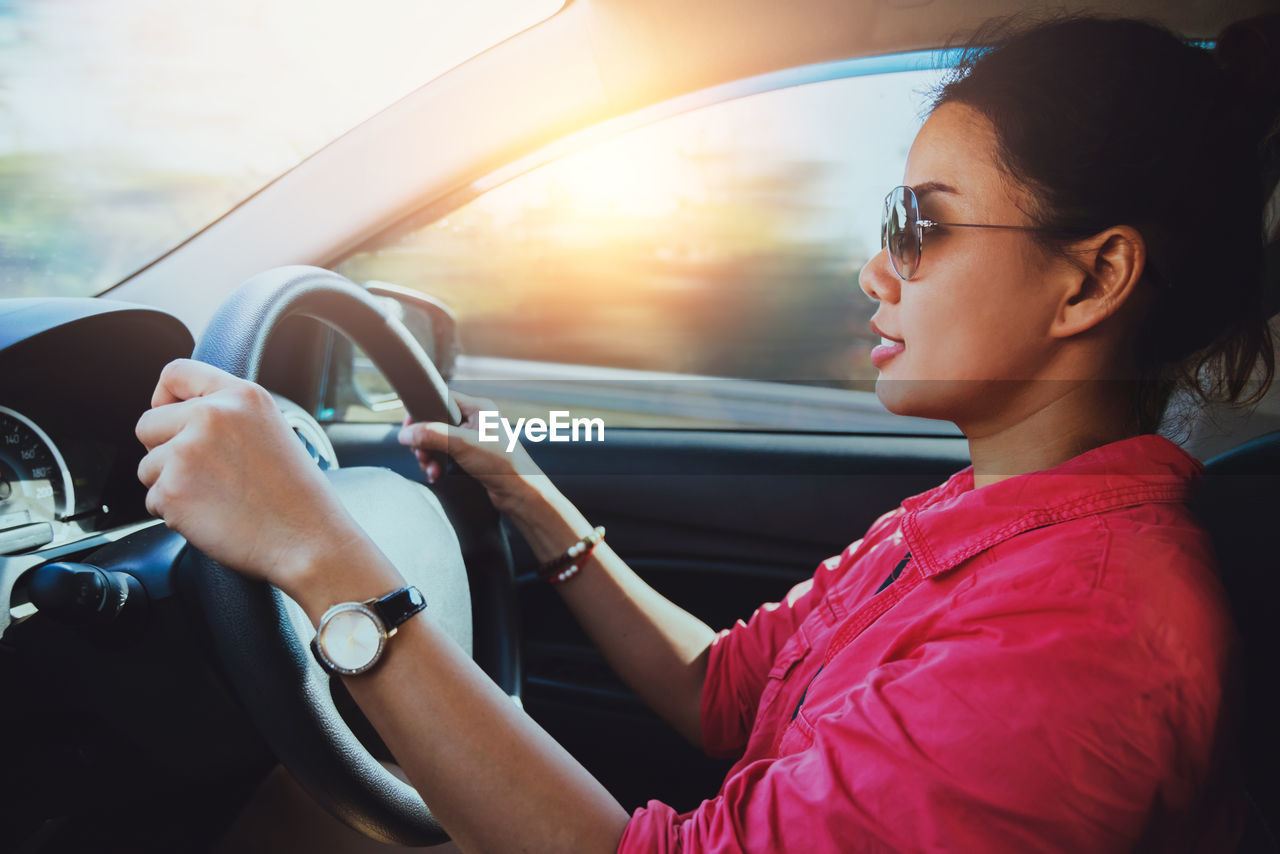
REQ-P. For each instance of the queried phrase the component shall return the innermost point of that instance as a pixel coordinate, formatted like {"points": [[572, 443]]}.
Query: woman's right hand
{"points": [[509, 477]]}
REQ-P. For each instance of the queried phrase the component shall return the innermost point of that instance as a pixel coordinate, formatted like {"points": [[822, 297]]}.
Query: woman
{"points": [[1033, 656]]}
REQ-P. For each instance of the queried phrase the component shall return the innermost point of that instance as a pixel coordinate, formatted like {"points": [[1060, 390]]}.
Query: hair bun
{"points": [[1248, 52]]}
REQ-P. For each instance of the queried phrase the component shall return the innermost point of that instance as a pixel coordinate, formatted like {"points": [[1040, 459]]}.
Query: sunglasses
{"points": [[902, 230]]}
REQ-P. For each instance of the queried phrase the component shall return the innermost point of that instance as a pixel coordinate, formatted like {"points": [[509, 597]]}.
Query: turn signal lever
{"points": [[79, 594]]}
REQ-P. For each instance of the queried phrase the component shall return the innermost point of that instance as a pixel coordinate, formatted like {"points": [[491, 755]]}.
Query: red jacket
{"points": [[1047, 673]]}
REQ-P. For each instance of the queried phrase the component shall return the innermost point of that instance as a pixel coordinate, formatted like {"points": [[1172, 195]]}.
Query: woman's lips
{"points": [[889, 347], [886, 351]]}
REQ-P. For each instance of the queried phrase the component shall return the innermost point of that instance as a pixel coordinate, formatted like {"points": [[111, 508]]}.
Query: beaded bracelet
{"points": [[574, 558]]}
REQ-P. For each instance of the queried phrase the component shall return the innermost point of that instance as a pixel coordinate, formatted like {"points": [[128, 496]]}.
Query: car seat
{"points": [[1239, 502]]}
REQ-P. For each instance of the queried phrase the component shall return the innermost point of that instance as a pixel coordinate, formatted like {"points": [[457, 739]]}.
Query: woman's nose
{"points": [[878, 280]]}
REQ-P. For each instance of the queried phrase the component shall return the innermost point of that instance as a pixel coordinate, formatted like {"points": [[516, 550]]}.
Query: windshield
{"points": [[128, 125]]}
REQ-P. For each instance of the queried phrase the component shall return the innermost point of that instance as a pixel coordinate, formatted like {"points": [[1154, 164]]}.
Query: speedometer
{"points": [[35, 485]]}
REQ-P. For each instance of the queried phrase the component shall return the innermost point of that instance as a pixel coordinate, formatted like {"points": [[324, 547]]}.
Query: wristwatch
{"points": [[352, 635]]}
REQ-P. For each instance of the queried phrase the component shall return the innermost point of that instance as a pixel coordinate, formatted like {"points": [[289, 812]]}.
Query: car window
{"points": [[128, 125], [724, 241]]}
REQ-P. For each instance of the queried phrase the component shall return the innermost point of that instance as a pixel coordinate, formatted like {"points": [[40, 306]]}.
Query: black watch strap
{"points": [[394, 608]]}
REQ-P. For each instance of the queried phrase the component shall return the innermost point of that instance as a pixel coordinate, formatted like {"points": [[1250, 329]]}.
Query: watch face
{"points": [[351, 638]]}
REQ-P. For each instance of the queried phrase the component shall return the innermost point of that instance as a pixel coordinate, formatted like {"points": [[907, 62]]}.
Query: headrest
{"points": [[1257, 456]]}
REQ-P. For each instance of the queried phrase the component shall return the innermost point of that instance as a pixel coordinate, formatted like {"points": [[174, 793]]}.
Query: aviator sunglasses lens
{"points": [[899, 232]]}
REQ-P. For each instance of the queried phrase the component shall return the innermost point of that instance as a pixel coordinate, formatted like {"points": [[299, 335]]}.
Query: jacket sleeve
{"points": [[975, 739]]}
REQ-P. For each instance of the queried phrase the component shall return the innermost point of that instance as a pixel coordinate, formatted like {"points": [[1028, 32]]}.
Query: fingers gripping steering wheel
{"points": [[453, 550]]}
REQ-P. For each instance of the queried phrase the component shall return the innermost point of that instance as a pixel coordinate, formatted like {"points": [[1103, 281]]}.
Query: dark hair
{"points": [[1119, 122]]}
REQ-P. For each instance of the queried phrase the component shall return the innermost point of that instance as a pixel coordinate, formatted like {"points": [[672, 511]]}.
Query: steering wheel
{"points": [[453, 550]]}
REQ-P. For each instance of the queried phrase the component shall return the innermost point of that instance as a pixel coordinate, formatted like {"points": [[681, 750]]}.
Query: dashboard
{"points": [[75, 374], [124, 734]]}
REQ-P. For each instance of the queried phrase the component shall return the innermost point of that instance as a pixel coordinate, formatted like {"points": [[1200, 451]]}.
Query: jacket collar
{"points": [[953, 522]]}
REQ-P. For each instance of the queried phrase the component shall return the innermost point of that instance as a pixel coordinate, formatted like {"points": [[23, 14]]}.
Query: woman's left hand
{"points": [[225, 471]]}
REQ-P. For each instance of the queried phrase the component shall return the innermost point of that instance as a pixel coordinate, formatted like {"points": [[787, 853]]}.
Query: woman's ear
{"points": [[1100, 276]]}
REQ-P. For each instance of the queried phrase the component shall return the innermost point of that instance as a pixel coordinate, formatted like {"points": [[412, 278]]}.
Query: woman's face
{"points": [[974, 318]]}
